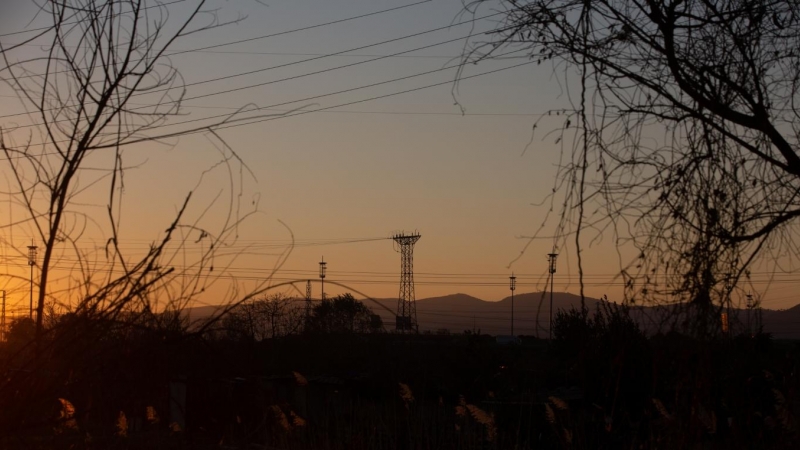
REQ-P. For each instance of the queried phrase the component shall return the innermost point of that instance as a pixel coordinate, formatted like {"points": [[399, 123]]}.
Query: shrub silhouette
{"points": [[607, 355], [343, 314], [21, 332]]}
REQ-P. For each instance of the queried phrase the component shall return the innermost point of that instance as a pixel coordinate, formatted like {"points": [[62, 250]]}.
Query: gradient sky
{"points": [[353, 173]]}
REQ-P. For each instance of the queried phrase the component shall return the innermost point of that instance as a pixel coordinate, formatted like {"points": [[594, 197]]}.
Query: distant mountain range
{"points": [[459, 312]]}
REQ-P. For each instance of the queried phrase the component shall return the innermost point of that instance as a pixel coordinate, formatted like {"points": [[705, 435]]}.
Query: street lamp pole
{"points": [[31, 262], [3, 318], [322, 269], [552, 259], [512, 285]]}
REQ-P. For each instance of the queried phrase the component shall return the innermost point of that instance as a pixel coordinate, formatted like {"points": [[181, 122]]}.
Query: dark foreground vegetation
{"points": [[600, 384]]}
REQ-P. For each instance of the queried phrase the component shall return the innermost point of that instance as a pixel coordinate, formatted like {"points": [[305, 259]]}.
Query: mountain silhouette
{"points": [[457, 313]]}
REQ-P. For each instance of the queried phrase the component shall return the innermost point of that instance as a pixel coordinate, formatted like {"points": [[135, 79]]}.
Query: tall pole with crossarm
{"points": [[512, 285], [406, 303], [308, 302], [323, 267], [3, 318], [551, 258], [31, 262]]}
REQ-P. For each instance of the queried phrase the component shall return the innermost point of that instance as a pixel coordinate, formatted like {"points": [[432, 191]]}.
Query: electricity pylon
{"points": [[406, 303]]}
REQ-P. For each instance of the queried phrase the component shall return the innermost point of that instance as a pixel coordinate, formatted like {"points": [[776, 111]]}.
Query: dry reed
{"points": [[485, 419], [283, 421], [122, 425], [300, 379], [151, 415], [406, 394]]}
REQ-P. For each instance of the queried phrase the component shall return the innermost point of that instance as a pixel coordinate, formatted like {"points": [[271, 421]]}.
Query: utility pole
{"points": [[3, 317], [512, 285], [728, 317], [308, 301], [759, 318], [31, 262], [323, 267], [749, 309], [406, 303], [551, 258]]}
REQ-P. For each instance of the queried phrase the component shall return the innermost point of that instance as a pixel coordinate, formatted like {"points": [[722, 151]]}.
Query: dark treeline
{"points": [[602, 383]]}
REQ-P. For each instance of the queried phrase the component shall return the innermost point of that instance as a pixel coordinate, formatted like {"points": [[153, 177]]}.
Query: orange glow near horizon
{"points": [[331, 182]]}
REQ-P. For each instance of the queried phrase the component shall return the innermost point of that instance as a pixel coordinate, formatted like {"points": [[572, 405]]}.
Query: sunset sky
{"points": [[343, 179]]}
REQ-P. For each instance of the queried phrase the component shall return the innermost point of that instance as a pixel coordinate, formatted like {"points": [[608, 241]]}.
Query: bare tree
{"points": [[96, 81], [682, 137], [273, 316], [105, 82]]}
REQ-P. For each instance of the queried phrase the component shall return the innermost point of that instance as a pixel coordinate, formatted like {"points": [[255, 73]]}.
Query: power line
{"points": [[180, 52], [231, 124], [372, 112], [455, 279], [304, 112], [358, 55], [256, 244], [294, 77], [62, 264], [31, 30], [376, 58], [250, 86], [399, 113], [310, 27], [251, 274], [234, 123], [756, 277], [240, 88]]}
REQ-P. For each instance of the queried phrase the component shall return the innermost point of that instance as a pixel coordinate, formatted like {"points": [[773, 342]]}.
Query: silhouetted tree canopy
{"points": [[21, 331], [269, 317], [343, 314], [683, 135]]}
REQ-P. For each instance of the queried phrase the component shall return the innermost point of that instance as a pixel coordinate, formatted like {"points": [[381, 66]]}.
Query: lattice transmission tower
{"points": [[406, 303]]}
